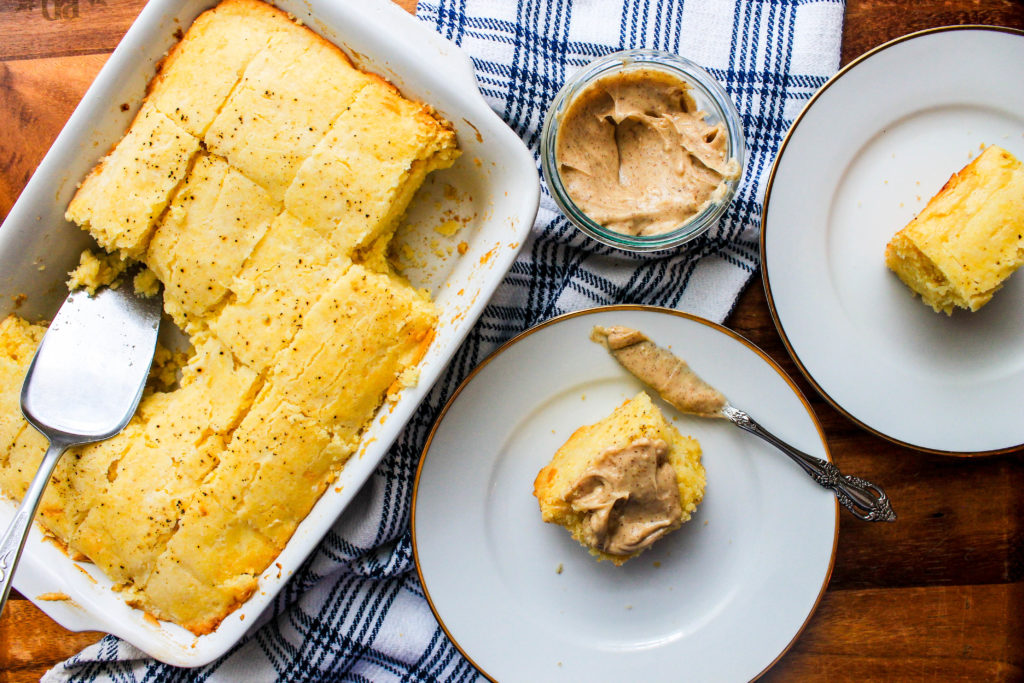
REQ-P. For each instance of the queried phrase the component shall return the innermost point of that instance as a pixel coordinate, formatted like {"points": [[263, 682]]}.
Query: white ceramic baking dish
{"points": [[492, 190]]}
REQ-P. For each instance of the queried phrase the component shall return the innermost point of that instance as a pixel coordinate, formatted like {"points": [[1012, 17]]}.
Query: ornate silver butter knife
{"points": [[675, 382]]}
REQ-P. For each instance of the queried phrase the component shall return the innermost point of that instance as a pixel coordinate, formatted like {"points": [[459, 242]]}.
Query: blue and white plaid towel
{"points": [[355, 611]]}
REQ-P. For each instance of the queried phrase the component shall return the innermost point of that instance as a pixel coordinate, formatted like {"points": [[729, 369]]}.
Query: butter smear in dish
{"points": [[642, 150]]}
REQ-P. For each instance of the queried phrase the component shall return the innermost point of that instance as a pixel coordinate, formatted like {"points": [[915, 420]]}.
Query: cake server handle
{"points": [[865, 500], [13, 540]]}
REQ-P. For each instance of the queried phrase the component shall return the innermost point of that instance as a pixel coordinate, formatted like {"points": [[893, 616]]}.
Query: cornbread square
{"points": [[80, 480], [359, 179], [194, 80], [129, 526], [285, 103], [214, 395], [122, 197], [355, 341], [209, 568], [280, 282], [635, 419], [276, 443], [207, 233], [969, 238]]}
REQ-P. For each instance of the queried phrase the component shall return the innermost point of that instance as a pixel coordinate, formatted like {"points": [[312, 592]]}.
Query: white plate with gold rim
{"points": [[865, 156], [720, 599]]}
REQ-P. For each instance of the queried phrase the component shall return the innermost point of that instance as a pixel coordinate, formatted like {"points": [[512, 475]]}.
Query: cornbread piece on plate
{"points": [[622, 483], [122, 197], [969, 238], [299, 332]]}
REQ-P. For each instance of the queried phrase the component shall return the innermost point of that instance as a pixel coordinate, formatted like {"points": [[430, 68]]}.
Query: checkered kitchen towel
{"points": [[355, 611]]}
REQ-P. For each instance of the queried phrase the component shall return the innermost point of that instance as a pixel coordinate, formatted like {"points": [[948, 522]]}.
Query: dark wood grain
{"points": [[34, 29], [937, 596], [869, 23], [31, 643]]}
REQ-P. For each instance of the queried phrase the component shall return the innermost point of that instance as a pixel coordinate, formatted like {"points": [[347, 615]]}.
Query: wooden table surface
{"points": [[939, 595]]}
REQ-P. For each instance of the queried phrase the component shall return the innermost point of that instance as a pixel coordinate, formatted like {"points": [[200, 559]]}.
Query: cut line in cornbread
{"points": [[968, 239], [636, 420], [282, 279], [355, 341], [194, 80], [207, 234], [287, 99], [357, 183]]}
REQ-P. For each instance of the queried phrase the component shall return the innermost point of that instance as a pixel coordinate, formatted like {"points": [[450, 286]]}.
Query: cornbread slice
{"points": [[207, 233], [214, 393], [283, 277], [636, 420], [209, 568], [79, 481], [358, 181], [194, 80], [276, 443], [353, 345], [289, 96], [153, 484], [969, 238], [122, 197]]}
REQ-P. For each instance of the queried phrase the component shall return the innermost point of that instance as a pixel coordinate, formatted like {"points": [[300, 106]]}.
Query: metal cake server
{"points": [[679, 386], [83, 385]]}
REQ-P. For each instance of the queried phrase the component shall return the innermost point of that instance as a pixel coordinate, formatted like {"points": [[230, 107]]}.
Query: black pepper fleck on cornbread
{"points": [[260, 182]]}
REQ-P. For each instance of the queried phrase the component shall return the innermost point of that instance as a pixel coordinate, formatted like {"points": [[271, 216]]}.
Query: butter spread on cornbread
{"points": [[259, 172], [968, 239], [622, 483], [629, 496]]}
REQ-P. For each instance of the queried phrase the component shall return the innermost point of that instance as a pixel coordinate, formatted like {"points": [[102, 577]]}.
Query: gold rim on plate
{"points": [[590, 311], [764, 225]]}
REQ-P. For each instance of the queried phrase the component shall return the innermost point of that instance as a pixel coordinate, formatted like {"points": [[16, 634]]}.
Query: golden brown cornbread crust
{"points": [[259, 168], [968, 239], [635, 419]]}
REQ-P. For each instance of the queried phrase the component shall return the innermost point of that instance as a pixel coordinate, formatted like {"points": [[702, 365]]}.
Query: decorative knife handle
{"points": [[862, 498]]}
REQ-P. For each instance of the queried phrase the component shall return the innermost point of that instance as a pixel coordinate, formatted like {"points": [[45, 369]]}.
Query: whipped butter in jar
{"points": [[642, 150]]}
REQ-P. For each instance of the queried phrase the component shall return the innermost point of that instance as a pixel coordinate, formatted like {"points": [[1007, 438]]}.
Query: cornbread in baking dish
{"points": [[260, 183], [968, 239], [622, 483]]}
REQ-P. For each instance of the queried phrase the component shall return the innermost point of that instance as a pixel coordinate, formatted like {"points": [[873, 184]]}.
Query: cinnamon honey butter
{"points": [[636, 154], [629, 497], [621, 484]]}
